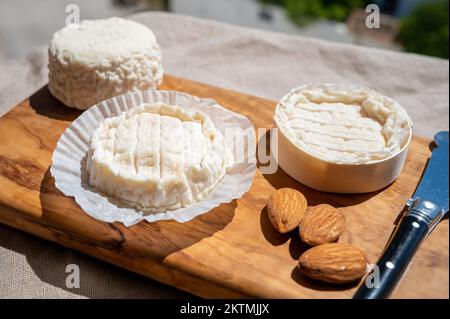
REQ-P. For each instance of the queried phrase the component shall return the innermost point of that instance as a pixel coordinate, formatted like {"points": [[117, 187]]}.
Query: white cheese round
{"points": [[98, 59], [157, 157], [342, 124]]}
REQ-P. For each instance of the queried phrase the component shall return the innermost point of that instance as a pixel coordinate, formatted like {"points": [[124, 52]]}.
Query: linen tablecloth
{"points": [[255, 62]]}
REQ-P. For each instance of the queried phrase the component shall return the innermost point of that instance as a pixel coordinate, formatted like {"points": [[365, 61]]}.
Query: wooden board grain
{"points": [[231, 251]]}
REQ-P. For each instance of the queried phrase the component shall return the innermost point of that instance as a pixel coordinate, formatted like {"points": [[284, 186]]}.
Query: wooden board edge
{"points": [[158, 272]]}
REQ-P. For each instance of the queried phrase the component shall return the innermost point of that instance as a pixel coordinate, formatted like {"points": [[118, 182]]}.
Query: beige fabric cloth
{"points": [[256, 62]]}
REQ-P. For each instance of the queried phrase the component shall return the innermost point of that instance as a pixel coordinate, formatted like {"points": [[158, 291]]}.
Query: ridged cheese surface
{"points": [[343, 125], [157, 157]]}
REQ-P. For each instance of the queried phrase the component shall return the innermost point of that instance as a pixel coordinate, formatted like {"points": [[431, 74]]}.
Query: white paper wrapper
{"points": [[69, 157]]}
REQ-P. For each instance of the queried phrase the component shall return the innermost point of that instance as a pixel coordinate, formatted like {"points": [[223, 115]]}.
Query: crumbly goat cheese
{"points": [[343, 124], [98, 59], [157, 157]]}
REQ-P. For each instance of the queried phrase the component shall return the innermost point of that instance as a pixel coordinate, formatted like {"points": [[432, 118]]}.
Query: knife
{"points": [[422, 213]]}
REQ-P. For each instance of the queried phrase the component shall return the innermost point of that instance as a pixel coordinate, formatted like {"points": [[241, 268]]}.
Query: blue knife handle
{"points": [[395, 259]]}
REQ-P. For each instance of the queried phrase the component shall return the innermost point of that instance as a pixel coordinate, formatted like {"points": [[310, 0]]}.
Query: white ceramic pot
{"points": [[334, 177], [338, 178]]}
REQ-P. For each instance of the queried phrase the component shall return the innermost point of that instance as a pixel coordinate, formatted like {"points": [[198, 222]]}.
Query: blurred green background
{"points": [[418, 26], [304, 12], [423, 31]]}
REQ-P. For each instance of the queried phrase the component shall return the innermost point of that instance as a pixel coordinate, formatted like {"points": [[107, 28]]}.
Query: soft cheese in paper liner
{"points": [[69, 158]]}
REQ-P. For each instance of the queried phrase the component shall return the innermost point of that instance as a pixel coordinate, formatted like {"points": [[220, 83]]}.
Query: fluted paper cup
{"points": [[69, 157]]}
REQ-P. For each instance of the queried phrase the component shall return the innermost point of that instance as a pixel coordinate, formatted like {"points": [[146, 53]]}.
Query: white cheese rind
{"points": [[157, 157], [342, 124], [98, 59]]}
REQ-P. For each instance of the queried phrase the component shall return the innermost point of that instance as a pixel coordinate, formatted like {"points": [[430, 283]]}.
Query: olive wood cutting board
{"points": [[232, 251]]}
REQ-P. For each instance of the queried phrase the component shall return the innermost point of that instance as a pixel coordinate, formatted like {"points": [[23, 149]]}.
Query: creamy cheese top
{"points": [[98, 42], [343, 124], [157, 157]]}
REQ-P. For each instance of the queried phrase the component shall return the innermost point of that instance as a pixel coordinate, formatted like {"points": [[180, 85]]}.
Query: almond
{"points": [[286, 208], [321, 224], [334, 263]]}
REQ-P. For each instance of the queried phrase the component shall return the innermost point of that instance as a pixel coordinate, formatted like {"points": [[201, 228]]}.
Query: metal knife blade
{"points": [[423, 212], [434, 183]]}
